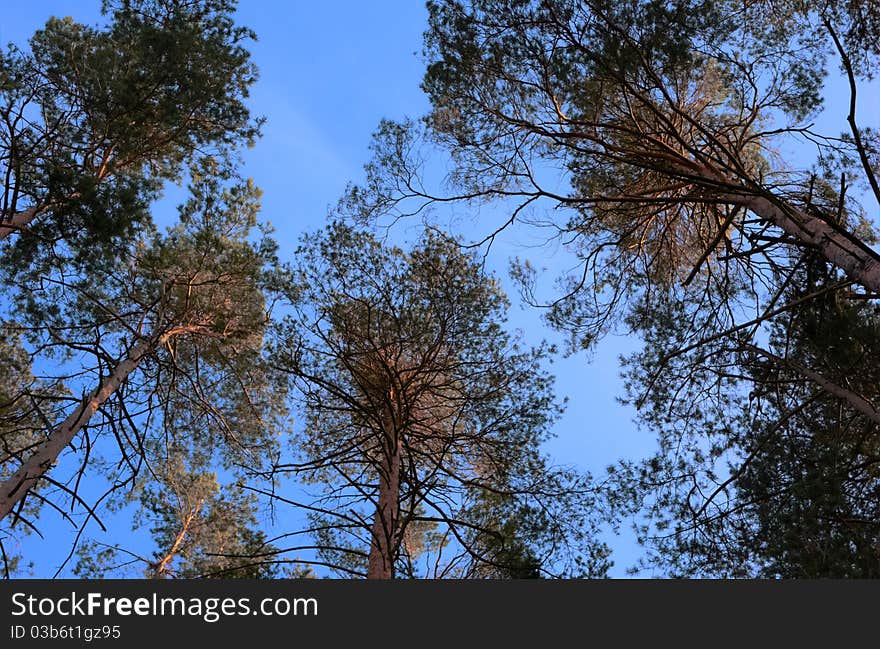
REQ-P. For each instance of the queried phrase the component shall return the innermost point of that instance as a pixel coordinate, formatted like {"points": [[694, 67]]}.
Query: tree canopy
{"points": [[423, 417], [197, 377], [691, 230], [95, 119]]}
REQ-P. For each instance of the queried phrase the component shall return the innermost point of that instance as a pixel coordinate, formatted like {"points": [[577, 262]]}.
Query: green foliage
{"points": [[384, 341], [201, 397], [100, 117], [667, 119], [208, 393], [762, 471], [199, 530], [658, 113], [664, 119], [97, 119]]}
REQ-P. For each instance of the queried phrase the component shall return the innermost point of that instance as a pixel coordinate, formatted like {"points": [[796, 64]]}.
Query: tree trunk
{"points": [[384, 532], [18, 221], [860, 263], [161, 569], [14, 488], [840, 248], [856, 401]]}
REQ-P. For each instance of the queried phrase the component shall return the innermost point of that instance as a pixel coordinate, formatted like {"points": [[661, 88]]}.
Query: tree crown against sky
{"points": [[671, 126], [667, 119], [167, 354], [423, 418], [132, 340], [660, 134], [149, 345], [95, 119], [767, 460], [145, 341]]}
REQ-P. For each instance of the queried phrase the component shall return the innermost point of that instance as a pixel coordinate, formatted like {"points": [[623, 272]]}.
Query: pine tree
{"points": [[418, 408]]}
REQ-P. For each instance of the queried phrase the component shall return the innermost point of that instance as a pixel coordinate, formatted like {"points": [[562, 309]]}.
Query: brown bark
{"points": [[860, 263], [162, 566], [18, 221], [384, 532], [843, 250], [858, 402], [14, 488]]}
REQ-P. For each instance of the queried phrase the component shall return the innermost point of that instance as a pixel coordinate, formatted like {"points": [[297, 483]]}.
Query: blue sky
{"points": [[329, 71]]}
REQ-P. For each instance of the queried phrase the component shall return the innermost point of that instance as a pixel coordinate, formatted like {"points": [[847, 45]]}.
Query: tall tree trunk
{"points": [[860, 263], [14, 488], [18, 221], [384, 532], [840, 248]]}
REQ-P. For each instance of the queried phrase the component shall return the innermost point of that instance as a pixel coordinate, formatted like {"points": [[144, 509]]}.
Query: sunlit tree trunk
{"points": [[16, 487], [18, 221], [385, 523]]}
